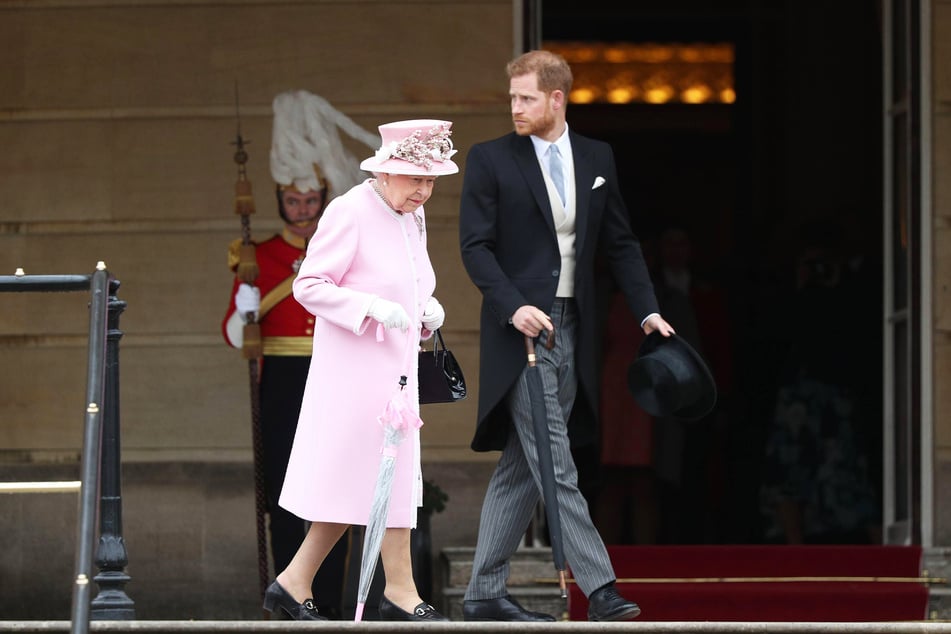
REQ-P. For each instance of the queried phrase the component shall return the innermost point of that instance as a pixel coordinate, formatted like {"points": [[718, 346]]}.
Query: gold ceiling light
{"points": [[653, 73]]}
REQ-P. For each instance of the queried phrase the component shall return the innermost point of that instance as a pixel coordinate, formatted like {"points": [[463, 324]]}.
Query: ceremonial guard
{"points": [[309, 166]]}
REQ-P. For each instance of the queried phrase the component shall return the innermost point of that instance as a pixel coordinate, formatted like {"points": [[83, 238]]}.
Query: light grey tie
{"points": [[555, 171]]}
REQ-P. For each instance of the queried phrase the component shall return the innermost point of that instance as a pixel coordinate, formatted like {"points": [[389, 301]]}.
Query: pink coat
{"points": [[362, 250]]}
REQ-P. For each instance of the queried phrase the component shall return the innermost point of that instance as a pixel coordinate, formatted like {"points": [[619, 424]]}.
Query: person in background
{"points": [[303, 190], [539, 206], [623, 497], [690, 457], [817, 483], [368, 280]]}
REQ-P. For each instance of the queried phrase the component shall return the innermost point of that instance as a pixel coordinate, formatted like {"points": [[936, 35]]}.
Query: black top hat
{"points": [[670, 379]]}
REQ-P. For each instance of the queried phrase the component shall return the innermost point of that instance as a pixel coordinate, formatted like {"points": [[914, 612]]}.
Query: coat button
{"points": [[554, 273]]}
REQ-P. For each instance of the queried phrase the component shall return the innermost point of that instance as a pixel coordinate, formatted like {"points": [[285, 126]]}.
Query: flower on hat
{"points": [[436, 146]]}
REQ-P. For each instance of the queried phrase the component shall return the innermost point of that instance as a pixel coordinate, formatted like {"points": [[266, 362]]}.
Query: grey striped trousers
{"points": [[515, 486]]}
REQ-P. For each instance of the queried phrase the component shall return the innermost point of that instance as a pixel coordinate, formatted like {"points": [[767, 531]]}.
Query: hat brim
{"points": [[644, 384], [399, 166]]}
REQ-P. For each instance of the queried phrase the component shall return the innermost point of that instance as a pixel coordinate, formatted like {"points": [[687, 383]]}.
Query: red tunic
{"points": [[287, 329]]}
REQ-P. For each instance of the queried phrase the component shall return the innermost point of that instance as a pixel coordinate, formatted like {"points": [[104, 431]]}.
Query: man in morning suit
{"points": [[538, 206]]}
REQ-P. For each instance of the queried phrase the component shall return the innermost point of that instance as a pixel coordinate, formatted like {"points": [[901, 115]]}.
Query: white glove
{"points": [[248, 300], [433, 315], [388, 313]]}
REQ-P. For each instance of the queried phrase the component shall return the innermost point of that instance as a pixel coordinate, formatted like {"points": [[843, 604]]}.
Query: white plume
{"points": [[305, 133]]}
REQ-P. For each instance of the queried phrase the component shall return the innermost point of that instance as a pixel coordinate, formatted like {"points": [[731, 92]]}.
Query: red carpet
{"points": [[767, 583]]}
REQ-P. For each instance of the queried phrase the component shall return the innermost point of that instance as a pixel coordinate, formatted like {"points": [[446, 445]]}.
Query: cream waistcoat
{"points": [[564, 217]]}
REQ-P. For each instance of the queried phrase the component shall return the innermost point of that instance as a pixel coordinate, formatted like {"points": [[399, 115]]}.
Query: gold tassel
{"points": [[252, 348], [243, 198], [247, 270]]}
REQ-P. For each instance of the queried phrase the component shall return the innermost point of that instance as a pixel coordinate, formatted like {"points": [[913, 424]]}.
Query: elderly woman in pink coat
{"points": [[368, 280]]}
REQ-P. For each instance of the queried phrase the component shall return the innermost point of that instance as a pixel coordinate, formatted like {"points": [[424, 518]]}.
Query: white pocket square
{"points": [[597, 182]]}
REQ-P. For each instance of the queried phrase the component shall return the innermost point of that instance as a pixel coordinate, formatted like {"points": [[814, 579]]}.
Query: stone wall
{"points": [[117, 119], [189, 531]]}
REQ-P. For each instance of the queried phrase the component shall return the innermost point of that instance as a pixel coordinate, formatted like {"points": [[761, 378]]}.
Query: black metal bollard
{"points": [[111, 603]]}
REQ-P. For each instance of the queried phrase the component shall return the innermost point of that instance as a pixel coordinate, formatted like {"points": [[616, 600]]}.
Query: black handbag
{"points": [[440, 375]]}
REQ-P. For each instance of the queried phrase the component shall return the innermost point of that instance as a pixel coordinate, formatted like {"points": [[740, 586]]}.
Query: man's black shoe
{"points": [[502, 609], [605, 604]]}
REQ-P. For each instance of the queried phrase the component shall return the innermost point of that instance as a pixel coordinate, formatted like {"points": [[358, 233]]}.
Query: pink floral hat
{"points": [[418, 147]]}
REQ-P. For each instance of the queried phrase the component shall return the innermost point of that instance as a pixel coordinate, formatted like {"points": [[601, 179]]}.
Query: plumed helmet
{"points": [[306, 151]]}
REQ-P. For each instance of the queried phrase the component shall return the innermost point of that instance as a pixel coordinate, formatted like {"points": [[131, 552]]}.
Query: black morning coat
{"points": [[510, 251]]}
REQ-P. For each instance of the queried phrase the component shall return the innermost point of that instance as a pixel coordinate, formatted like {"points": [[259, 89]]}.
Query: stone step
{"points": [[532, 581], [528, 567], [641, 627]]}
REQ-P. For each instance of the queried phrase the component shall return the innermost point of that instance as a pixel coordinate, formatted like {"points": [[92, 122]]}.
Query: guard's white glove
{"points": [[248, 300], [388, 313], [433, 315]]}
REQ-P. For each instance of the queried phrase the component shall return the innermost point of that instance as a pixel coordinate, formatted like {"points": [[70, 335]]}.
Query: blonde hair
{"points": [[552, 70]]}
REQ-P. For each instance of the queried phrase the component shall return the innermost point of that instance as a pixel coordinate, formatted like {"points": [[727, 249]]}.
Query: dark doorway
{"points": [[773, 192]]}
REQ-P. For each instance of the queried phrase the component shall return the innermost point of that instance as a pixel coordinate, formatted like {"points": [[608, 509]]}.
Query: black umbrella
{"points": [[546, 466]]}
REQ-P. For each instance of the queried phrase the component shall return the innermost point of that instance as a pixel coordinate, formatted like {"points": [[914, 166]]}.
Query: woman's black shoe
{"points": [[277, 596], [389, 611]]}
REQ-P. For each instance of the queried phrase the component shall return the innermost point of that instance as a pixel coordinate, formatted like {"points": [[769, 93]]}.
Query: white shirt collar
{"points": [[541, 145]]}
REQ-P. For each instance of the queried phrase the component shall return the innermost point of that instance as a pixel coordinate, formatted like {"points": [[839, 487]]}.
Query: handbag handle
{"points": [[437, 341]]}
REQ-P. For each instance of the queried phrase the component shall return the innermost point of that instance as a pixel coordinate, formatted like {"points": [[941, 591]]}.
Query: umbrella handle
{"points": [[530, 346]]}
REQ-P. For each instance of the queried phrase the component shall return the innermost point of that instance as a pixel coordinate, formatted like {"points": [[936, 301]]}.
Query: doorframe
{"points": [[927, 276], [919, 526]]}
